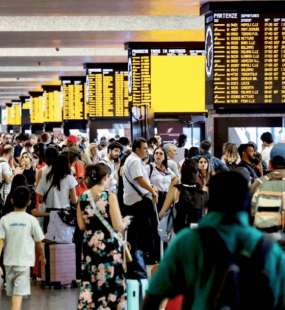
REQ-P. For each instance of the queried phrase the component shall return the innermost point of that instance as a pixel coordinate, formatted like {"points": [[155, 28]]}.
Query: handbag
{"points": [[68, 215], [165, 226], [58, 231], [127, 257]]}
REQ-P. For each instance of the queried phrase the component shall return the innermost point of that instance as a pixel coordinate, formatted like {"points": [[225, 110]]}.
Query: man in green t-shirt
{"points": [[182, 269]]}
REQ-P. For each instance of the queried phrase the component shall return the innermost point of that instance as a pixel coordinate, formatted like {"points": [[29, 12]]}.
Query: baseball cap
{"points": [[277, 154], [72, 139]]}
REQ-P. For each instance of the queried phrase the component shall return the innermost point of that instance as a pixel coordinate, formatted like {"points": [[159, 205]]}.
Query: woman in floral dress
{"points": [[103, 283]]}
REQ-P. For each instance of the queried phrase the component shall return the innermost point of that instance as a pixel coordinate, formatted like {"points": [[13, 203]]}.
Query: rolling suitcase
{"points": [[60, 269], [135, 293]]}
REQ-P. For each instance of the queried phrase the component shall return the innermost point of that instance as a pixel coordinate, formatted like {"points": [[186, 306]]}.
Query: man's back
{"points": [[181, 271]]}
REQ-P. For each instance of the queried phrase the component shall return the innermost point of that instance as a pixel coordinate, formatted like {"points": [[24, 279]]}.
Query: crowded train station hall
{"points": [[142, 155]]}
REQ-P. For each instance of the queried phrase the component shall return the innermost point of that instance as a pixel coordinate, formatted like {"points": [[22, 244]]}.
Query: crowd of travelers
{"points": [[147, 193]]}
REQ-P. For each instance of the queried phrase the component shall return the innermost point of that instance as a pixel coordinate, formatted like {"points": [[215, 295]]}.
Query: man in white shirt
{"points": [[138, 195], [6, 173], [267, 145]]}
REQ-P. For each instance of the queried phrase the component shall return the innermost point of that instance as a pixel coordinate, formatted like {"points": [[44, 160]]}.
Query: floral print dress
{"points": [[103, 283]]}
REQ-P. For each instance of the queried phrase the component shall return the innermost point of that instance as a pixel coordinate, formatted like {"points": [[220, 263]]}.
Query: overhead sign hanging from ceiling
{"points": [[37, 107], [245, 55], [167, 76], [107, 90], [74, 98], [52, 103]]}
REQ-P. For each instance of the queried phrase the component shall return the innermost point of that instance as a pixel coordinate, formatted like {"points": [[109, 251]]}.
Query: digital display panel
{"points": [[245, 50], [13, 111], [37, 108], [167, 77], [178, 84], [52, 103], [74, 99], [107, 88]]}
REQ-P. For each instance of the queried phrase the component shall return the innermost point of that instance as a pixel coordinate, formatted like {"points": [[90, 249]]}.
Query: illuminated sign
{"points": [[107, 89], [52, 103], [74, 103], [37, 107], [167, 77], [245, 46]]}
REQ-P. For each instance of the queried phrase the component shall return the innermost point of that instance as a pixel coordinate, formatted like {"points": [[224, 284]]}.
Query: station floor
{"points": [[45, 299]]}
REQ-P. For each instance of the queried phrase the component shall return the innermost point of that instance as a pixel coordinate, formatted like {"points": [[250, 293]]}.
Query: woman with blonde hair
{"points": [[230, 155], [90, 155]]}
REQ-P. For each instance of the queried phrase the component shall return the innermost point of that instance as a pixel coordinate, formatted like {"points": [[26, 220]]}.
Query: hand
{"points": [[18, 170], [42, 260], [127, 221], [154, 196]]}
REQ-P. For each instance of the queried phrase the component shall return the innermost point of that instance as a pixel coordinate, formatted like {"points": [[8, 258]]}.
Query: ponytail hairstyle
{"points": [[95, 173]]}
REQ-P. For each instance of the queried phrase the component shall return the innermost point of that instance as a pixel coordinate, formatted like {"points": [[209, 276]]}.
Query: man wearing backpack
{"points": [[221, 264], [268, 202]]}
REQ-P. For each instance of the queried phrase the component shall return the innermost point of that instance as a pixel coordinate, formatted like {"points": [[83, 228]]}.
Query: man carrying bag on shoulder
{"points": [[138, 199]]}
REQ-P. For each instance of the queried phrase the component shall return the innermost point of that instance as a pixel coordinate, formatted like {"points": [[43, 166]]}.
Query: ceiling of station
{"points": [[41, 40], [99, 7]]}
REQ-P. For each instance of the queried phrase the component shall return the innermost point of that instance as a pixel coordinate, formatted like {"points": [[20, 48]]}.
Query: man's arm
{"points": [[2, 243], [143, 183]]}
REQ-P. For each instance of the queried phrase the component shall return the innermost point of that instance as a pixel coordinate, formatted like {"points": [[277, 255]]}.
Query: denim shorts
{"points": [[18, 281]]}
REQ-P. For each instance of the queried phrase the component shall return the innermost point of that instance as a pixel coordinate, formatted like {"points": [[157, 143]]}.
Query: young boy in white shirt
{"points": [[20, 233]]}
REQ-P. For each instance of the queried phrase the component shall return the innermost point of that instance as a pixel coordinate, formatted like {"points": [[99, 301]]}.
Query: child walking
{"points": [[20, 233]]}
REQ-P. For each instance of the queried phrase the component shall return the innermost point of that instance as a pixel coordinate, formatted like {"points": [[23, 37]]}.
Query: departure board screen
{"points": [[245, 50], [74, 103], [52, 103], [107, 90], [14, 113], [37, 108], [153, 78]]}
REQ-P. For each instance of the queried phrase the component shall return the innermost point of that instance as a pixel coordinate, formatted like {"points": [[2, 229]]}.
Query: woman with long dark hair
{"points": [[188, 198], [160, 175], [205, 172], [57, 188], [103, 283]]}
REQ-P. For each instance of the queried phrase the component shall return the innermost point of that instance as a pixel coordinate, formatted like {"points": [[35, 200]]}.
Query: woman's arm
{"points": [[73, 196], [80, 221], [169, 199], [115, 213]]}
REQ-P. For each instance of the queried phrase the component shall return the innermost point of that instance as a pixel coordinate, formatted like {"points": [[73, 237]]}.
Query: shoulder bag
{"points": [[127, 257]]}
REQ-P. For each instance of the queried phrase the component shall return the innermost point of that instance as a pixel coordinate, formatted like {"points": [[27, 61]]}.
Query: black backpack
{"points": [[190, 207], [240, 281]]}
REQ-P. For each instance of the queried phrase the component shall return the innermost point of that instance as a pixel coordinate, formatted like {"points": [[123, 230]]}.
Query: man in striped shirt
{"points": [[268, 201]]}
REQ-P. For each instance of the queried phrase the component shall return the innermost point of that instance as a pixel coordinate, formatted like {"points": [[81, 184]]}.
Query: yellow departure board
{"points": [[9, 114], [178, 84], [167, 77], [52, 107], [37, 109], [107, 90], [14, 114], [74, 107], [245, 47], [52, 103]]}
